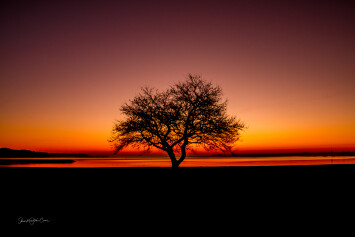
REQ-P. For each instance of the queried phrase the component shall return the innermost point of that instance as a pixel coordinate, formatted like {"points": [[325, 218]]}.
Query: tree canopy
{"points": [[189, 113]]}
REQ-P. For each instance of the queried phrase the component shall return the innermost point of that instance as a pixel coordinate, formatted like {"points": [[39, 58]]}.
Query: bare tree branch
{"points": [[189, 112]]}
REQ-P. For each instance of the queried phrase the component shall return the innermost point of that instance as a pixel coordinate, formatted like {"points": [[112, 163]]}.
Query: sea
{"points": [[149, 161]]}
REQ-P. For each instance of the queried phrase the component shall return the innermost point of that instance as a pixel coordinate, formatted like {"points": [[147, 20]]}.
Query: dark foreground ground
{"points": [[185, 201]]}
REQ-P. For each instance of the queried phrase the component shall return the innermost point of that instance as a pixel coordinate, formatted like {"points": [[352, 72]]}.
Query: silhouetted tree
{"points": [[189, 112]]}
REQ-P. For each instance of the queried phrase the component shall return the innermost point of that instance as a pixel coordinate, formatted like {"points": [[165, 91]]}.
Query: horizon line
{"points": [[251, 152]]}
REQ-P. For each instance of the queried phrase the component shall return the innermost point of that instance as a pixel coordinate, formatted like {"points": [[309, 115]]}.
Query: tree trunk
{"points": [[174, 162], [183, 152]]}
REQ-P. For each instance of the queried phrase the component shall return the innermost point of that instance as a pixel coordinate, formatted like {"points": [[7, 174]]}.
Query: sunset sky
{"points": [[287, 69]]}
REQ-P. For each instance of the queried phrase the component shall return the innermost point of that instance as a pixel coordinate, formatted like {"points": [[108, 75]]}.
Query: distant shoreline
{"points": [[351, 153], [11, 153], [33, 161]]}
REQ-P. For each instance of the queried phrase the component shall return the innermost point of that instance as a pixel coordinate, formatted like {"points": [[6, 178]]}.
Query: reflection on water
{"points": [[188, 162]]}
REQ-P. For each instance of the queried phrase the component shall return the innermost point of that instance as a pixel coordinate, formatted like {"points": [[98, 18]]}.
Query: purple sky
{"points": [[67, 66]]}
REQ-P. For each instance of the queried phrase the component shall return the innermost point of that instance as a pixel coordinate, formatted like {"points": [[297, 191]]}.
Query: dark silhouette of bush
{"points": [[188, 113]]}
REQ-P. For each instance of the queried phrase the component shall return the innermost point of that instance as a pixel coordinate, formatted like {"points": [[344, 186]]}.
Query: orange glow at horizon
{"points": [[287, 69]]}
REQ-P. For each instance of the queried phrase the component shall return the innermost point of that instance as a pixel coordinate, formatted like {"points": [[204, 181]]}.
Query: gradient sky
{"points": [[286, 68]]}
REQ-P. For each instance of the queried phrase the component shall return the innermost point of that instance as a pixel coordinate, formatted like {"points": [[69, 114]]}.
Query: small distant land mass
{"points": [[30, 157], [10, 153]]}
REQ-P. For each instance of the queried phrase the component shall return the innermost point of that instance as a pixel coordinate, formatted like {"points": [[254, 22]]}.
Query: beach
{"points": [[158, 200]]}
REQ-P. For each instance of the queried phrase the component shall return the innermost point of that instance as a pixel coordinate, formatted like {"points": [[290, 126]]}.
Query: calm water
{"points": [[188, 162]]}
